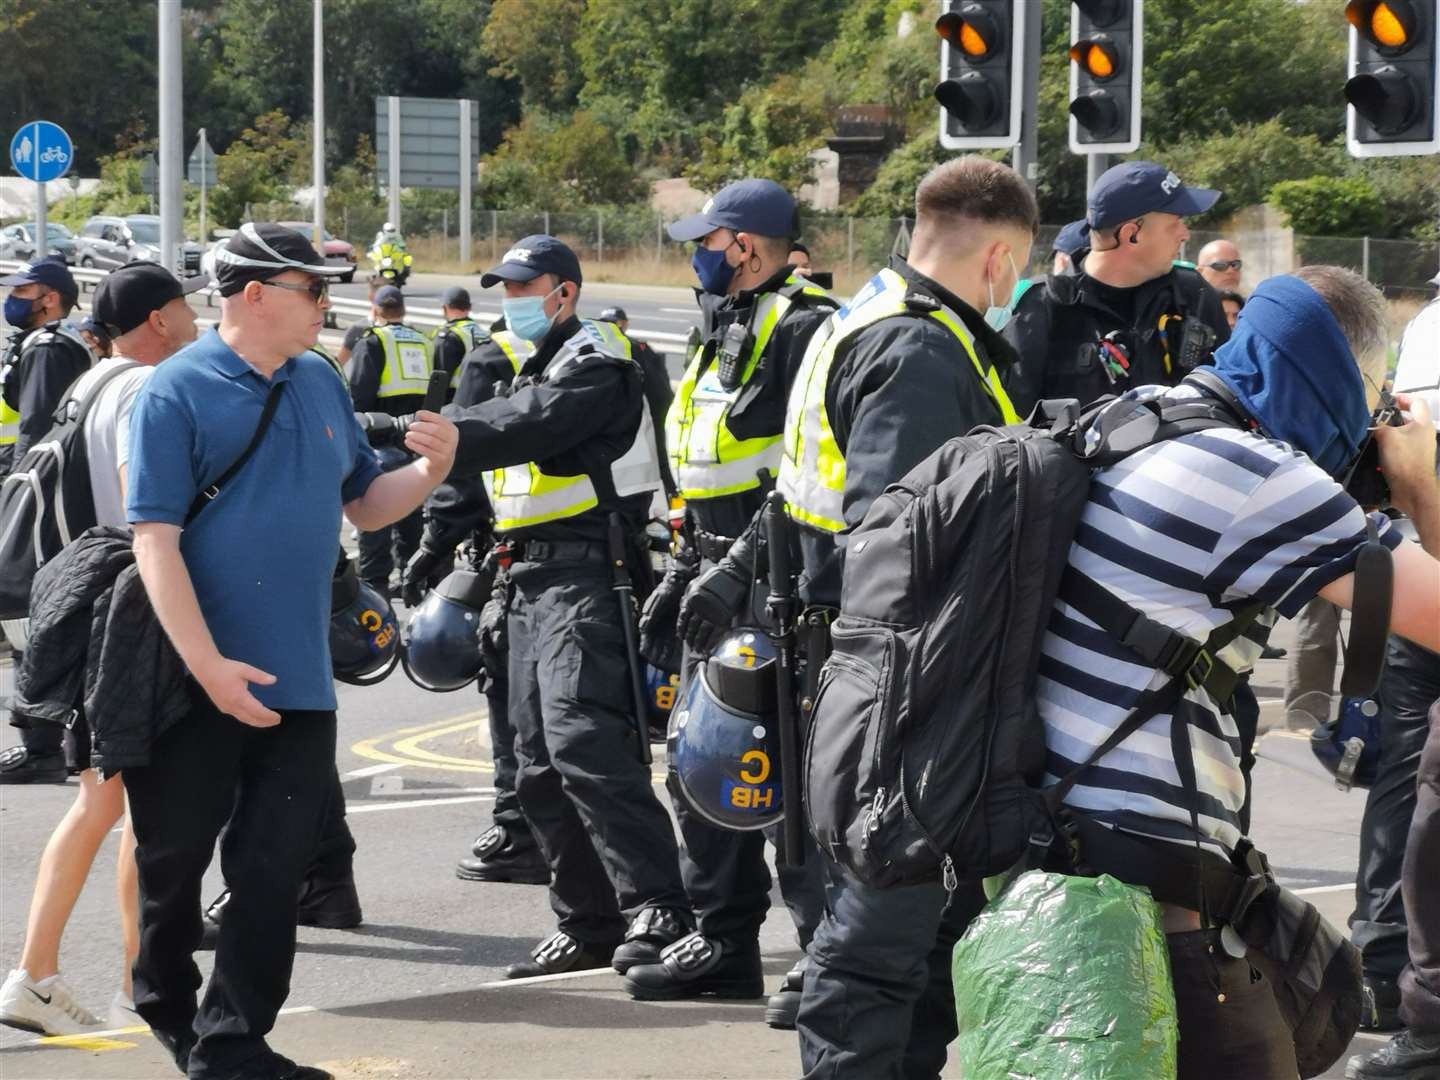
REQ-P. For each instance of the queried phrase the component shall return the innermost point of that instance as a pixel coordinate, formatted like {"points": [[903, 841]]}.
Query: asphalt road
{"points": [[418, 991]]}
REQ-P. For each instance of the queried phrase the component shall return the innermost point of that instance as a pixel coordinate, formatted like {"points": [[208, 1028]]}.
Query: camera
{"points": [[1365, 482]]}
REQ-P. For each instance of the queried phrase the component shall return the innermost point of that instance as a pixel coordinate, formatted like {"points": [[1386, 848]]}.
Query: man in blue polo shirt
{"points": [[244, 593]]}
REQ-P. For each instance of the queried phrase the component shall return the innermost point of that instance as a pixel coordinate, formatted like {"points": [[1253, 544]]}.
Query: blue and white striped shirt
{"points": [[1177, 530]]}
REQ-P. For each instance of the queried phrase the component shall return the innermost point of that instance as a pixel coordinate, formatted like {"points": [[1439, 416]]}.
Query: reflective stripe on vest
{"points": [[469, 332], [525, 495], [9, 424], [515, 347], [407, 360], [706, 457], [812, 468]]}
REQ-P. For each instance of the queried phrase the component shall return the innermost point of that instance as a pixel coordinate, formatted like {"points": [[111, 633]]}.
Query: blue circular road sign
{"points": [[41, 151]]}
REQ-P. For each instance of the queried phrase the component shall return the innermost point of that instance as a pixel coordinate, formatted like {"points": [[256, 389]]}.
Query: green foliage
{"points": [[893, 192], [1329, 206], [546, 163], [533, 42], [259, 166], [768, 133]]}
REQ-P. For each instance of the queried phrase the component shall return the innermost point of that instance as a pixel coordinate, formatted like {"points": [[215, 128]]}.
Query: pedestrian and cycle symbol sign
{"points": [[41, 151]]}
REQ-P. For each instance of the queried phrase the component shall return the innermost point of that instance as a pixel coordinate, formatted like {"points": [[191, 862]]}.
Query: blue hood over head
{"points": [[1291, 367]]}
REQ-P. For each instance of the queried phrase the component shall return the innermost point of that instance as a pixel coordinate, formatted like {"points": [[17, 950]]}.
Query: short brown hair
{"points": [[976, 189]]}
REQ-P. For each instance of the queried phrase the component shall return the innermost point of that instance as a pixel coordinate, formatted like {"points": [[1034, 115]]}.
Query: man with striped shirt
{"points": [[1187, 531]]}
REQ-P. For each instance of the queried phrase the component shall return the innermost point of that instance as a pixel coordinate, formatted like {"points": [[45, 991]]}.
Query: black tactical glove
{"points": [[659, 639], [421, 574], [710, 605]]}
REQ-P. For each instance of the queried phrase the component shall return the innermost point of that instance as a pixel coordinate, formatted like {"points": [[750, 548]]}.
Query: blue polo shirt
{"points": [[262, 554]]}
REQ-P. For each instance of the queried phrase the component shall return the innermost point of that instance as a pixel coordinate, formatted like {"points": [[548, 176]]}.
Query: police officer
{"points": [[658, 391], [1128, 316], [723, 433], [565, 451], [457, 336], [43, 358], [389, 370], [909, 363]]}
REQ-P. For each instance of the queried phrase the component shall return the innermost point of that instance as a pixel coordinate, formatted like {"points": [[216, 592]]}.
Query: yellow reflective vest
{"points": [[812, 466], [706, 458], [526, 495], [407, 360], [468, 331]]}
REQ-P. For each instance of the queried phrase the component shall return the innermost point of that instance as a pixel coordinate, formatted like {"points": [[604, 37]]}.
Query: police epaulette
{"points": [[918, 301]]}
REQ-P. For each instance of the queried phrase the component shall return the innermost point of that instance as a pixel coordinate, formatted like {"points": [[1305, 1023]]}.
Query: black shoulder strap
{"points": [[207, 495], [93, 394]]}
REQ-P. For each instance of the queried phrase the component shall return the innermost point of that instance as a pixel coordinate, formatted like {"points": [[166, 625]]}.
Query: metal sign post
{"points": [[427, 143], [317, 166], [467, 178], [201, 171], [172, 149], [41, 151]]}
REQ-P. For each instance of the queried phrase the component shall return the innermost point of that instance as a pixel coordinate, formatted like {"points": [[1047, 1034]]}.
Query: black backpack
{"points": [[46, 501], [925, 746]]}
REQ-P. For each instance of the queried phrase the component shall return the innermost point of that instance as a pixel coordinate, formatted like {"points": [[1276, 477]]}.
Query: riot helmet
{"points": [[440, 646], [724, 740], [364, 639], [661, 688]]}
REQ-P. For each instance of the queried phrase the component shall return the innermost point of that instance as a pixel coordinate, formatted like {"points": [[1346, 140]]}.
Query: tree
{"points": [[893, 192], [1329, 206], [533, 43], [259, 166], [547, 163], [768, 133]]}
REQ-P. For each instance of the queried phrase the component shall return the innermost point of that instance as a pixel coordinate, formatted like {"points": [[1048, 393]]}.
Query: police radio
{"points": [[731, 354], [1192, 347]]}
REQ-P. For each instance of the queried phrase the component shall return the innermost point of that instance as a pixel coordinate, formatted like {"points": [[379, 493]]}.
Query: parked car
{"points": [[108, 242], [18, 241], [337, 252]]}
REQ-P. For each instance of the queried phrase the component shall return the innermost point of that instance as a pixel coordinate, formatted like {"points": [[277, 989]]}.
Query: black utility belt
{"points": [[529, 551]]}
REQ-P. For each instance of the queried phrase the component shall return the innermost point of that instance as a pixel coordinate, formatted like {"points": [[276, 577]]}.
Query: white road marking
{"points": [[692, 312], [371, 808], [372, 770], [1316, 890], [50, 1040]]}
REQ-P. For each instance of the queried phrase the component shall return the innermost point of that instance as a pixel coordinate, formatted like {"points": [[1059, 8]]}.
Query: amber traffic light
{"points": [[1394, 71], [1105, 62], [980, 70], [1098, 56]]}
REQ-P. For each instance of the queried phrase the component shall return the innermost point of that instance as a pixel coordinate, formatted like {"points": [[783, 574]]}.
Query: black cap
{"points": [[456, 297], [388, 296], [49, 271], [532, 256], [260, 250], [1072, 237], [761, 207], [126, 296], [613, 314], [1133, 188]]}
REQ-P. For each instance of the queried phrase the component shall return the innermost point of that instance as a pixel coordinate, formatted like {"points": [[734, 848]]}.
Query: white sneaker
{"points": [[47, 1006], [122, 1012]]}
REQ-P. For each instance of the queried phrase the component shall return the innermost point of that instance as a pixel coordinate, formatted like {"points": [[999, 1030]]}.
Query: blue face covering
{"points": [[1292, 368], [19, 310], [712, 270], [525, 315]]}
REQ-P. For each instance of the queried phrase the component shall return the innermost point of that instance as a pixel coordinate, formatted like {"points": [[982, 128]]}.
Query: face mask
{"points": [[712, 270], [19, 310], [525, 315], [997, 317]]}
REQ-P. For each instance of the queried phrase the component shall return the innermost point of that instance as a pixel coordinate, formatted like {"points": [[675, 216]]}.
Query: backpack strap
{"points": [[208, 495], [93, 394]]}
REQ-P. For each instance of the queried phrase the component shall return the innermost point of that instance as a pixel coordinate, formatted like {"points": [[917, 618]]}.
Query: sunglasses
{"points": [[318, 289], [1225, 264]]}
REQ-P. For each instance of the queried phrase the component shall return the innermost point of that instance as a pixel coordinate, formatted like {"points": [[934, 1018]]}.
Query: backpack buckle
{"points": [[1199, 669], [211, 492]]}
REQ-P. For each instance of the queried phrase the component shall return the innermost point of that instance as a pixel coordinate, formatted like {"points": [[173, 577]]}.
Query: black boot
{"points": [[1405, 1057], [651, 931], [331, 905], [1382, 1004], [178, 1045], [561, 952], [697, 966], [503, 856], [784, 1005], [19, 766]]}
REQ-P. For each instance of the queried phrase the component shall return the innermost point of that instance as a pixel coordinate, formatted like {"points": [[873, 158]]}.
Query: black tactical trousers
{"points": [[589, 800], [507, 812], [385, 549], [879, 1003], [1420, 981], [725, 873], [1377, 926], [273, 786]]}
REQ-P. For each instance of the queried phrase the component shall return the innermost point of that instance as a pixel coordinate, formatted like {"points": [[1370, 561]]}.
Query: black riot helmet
{"points": [[440, 646], [364, 638]]}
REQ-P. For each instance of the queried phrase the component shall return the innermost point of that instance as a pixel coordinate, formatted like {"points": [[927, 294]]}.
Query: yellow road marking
{"points": [[90, 1042]]}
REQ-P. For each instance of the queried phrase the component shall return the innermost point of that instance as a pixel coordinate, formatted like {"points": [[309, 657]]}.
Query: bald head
{"points": [[1221, 251]]}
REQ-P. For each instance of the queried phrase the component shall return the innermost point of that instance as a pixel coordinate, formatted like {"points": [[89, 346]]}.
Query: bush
{"points": [[1329, 206]]}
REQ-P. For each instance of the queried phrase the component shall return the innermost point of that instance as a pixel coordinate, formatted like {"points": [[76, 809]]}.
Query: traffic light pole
{"points": [[172, 149], [1026, 158], [1095, 166]]}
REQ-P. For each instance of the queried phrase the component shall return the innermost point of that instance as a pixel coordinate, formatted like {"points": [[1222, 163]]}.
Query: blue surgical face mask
{"points": [[712, 270], [525, 315], [18, 310], [997, 317]]}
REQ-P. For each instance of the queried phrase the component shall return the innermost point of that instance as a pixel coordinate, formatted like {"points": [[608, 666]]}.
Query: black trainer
{"points": [[178, 1045], [331, 905], [289, 1070], [783, 1006], [502, 856], [19, 766], [651, 931], [561, 952], [697, 966], [1405, 1057], [1382, 1004]]}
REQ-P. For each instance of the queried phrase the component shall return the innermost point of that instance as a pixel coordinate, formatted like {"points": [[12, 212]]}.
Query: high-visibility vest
{"points": [[706, 458], [812, 466], [526, 495], [517, 348], [468, 331], [407, 360], [10, 418], [9, 424]]}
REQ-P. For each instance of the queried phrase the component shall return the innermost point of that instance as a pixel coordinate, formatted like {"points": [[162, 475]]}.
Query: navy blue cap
{"points": [[1133, 188], [761, 207], [388, 296], [456, 297], [532, 256], [49, 271], [1072, 237], [92, 325], [613, 314]]}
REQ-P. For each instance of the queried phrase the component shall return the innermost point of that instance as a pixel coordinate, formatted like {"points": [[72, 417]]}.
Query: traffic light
{"points": [[1106, 60], [981, 64], [1394, 72]]}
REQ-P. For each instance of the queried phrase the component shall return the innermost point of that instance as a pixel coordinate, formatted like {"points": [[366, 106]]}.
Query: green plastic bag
{"points": [[1066, 978]]}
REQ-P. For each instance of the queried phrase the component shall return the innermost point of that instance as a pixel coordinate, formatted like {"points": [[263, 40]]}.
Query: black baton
{"points": [[624, 589], [783, 607]]}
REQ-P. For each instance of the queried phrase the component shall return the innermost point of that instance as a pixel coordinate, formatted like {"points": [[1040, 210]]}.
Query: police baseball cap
{"points": [[1072, 237], [261, 250], [50, 272], [761, 207], [388, 296], [126, 296], [532, 256], [1133, 188], [613, 314], [456, 297]]}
